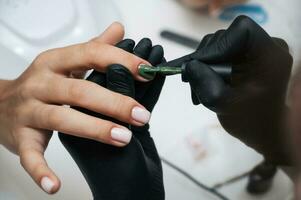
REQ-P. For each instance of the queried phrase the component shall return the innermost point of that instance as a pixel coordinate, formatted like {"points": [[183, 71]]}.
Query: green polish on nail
{"points": [[149, 72], [146, 71]]}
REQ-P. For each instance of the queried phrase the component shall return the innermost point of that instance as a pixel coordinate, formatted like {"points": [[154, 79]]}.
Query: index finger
{"points": [[91, 55]]}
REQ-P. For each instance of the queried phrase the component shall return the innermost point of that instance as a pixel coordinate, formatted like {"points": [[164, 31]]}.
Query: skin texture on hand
{"points": [[133, 172], [252, 108], [32, 105]]}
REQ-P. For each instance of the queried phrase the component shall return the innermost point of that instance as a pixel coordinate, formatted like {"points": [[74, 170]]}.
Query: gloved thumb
{"points": [[207, 86]]}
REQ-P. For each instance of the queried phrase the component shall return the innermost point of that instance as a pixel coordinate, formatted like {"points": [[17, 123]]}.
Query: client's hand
{"points": [[251, 108], [31, 106], [133, 172]]}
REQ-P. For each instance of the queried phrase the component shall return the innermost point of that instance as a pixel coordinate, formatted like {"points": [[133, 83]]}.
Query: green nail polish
{"points": [[149, 72], [146, 71]]}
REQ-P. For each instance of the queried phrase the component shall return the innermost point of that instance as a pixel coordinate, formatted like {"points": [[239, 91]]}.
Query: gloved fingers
{"points": [[143, 48], [97, 77], [209, 88], [127, 45], [282, 43], [243, 35], [217, 36], [194, 97], [205, 41], [149, 147], [32, 159], [153, 91], [120, 80], [156, 55], [163, 59]]}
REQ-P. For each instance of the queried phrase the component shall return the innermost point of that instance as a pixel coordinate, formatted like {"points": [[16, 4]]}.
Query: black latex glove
{"points": [[252, 106], [133, 172]]}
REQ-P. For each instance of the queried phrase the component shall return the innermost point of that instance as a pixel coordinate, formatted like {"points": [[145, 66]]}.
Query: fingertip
{"points": [[117, 24], [113, 34], [197, 72], [191, 67], [118, 27], [140, 115], [120, 136], [50, 184], [136, 70], [156, 55], [34, 163], [143, 48]]}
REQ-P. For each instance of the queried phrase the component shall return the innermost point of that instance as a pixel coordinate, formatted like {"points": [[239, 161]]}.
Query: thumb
{"points": [[207, 86], [33, 161], [112, 35]]}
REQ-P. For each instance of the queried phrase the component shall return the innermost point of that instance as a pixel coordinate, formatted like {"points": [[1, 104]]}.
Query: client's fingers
{"points": [[73, 122], [32, 159], [88, 95], [113, 34], [86, 56]]}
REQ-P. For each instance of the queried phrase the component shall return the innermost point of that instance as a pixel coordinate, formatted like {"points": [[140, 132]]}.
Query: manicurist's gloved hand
{"points": [[132, 172], [252, 107], [31, 106]]}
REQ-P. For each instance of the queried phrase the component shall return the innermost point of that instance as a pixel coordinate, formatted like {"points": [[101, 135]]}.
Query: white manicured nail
{"points": [[140, 115], [47, 184], [121, 135]]}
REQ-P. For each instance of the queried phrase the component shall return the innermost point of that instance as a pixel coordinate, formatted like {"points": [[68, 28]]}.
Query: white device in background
{"points": [[28, 27]]}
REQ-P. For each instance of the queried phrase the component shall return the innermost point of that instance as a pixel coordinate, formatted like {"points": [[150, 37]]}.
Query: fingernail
{"points": [[140, 115], [143, 74], [47, 184], [121, 135]]}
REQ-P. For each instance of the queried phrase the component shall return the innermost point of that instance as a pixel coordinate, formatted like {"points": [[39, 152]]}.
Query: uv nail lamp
{"points": [[28, 27]]}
